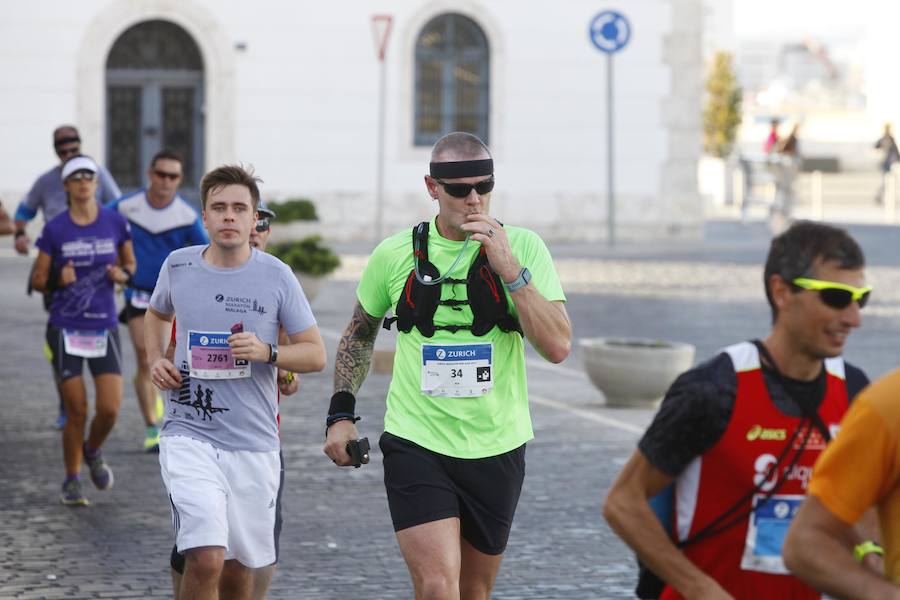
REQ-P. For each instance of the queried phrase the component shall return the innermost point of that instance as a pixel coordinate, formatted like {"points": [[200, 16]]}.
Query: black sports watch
{"points": [[273, 353]]}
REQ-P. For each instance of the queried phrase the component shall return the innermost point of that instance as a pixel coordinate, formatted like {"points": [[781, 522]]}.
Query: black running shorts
{"points": [[423, 486], [129, 312], [67, 366]]}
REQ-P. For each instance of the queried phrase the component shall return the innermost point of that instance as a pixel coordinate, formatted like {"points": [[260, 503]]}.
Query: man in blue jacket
{"points": [[161, 221]]}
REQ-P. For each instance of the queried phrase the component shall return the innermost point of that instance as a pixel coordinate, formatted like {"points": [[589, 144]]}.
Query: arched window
{"points": [[154, 100], [452, 62]]}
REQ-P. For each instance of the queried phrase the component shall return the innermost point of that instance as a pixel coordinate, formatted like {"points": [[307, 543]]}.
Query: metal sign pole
{"points": [[381, 31], [379, 183], [609, 32], [610, 153]]}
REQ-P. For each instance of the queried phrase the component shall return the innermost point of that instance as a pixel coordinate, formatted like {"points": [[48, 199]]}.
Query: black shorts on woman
{"points": [[67, 365]]}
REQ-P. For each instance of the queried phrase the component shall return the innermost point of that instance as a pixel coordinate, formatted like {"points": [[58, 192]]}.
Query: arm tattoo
{"points": [[354, 354]]}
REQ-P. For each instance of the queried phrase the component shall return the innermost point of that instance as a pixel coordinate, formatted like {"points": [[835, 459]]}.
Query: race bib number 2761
{"points": [[210, 357]]}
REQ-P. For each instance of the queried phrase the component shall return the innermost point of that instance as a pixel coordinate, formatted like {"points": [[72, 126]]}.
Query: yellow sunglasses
{"points": [[834, 294]]}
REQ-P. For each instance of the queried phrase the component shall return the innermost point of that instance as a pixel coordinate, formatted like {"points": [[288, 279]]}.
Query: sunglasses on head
{"points": [[834, 294], [166, 174], [461, 190], [79, 175], [262, 225]]}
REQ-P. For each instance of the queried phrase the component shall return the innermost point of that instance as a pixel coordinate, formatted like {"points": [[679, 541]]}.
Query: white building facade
{"points": [[292, 88]]}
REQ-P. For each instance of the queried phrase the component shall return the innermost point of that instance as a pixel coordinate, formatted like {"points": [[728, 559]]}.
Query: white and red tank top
{"points": [[746, 558]]}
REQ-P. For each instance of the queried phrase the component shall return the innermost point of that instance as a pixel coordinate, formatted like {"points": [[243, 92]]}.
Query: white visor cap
{"points": [[79, 163]]}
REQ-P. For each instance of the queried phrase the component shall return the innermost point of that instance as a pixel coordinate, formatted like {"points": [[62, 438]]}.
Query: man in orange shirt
{"points": [[859, 469]]}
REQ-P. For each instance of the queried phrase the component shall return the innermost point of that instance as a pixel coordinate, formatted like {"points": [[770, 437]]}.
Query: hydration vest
{"points": [[485, 293]]}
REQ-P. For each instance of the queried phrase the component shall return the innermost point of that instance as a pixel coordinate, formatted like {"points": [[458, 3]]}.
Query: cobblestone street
{"points": [[337, 541]]}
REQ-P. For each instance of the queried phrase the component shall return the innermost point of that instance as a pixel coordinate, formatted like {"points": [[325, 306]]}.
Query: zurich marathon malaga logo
{"points": [[441, 353], [219, 297], [204, 341]]}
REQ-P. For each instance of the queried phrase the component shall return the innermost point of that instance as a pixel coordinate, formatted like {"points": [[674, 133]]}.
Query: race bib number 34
{"points": [[457, 370], [209, 357]]}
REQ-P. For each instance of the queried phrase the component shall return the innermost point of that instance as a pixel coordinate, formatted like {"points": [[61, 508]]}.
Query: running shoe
{"points": [[101, 474], [60, 420], [72, 494], [151, 439]]}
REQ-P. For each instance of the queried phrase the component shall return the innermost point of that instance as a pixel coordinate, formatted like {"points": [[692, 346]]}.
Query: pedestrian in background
{"points": [[772, 138], [888, 145], [785, 163]]}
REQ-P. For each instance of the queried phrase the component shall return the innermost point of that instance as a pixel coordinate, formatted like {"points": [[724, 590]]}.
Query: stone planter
{"points": [[633, 371], [311, 284]]}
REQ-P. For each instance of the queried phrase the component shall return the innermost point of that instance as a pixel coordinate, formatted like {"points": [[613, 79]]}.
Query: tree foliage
{"points": [[722, 115]]}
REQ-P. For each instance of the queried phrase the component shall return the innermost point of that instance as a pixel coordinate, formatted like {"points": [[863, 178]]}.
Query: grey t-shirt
{"points": [[229, 405]]}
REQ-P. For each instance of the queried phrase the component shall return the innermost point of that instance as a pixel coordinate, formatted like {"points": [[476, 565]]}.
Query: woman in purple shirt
{"points": [[84, 251]]}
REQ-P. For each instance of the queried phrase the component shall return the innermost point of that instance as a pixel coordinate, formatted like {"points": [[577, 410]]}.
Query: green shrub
{"points": [[307, 255], [295, 209]]}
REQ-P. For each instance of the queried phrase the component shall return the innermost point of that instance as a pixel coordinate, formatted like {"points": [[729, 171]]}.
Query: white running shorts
{"points": [[222, 498]]}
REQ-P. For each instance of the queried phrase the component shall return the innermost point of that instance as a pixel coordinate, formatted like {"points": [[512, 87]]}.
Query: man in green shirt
{"points": [[465, 291]]}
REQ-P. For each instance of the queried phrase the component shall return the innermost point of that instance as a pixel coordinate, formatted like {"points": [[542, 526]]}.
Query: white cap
{"points": [[78, 163]]}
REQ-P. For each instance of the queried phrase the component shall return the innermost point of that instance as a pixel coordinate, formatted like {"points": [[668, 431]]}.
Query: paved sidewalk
{"points": [[337, 542]]}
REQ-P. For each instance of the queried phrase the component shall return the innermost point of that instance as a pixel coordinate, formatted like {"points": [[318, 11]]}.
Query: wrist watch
{"points": [[520, 281], [273, 353]]}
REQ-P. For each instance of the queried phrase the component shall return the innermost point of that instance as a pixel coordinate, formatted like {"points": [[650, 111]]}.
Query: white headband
{"points": [[79, 163]]}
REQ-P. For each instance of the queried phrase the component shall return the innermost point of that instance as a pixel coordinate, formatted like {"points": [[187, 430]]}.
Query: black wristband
{"points": [[342, 403], [19, 233], [128, 281]]}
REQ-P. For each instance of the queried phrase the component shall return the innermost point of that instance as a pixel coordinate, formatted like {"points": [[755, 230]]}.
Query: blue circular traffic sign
{"points": [[610, 31]]}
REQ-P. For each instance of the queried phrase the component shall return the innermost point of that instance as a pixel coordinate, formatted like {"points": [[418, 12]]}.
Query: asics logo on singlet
{"points": [[758, 432]]}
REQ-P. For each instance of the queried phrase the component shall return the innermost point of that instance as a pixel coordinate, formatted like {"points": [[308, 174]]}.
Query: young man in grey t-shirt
{"points": [[219, 443]]}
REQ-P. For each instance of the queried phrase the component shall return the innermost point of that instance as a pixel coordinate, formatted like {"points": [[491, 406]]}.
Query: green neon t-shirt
{"points": [[467, 427]]}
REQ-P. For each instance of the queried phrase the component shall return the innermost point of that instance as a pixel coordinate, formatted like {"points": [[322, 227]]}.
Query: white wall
{"points": [[299, 103]]}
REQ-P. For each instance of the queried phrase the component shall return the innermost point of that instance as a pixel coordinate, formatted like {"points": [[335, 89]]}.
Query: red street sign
{"points": [[381, 31]]}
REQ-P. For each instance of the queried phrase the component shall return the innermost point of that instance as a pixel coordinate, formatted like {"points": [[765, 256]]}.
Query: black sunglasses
{"points": [[78, 175], [66, 152], [166, 175], [461, 190], [834, 294], [262, 225]]}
